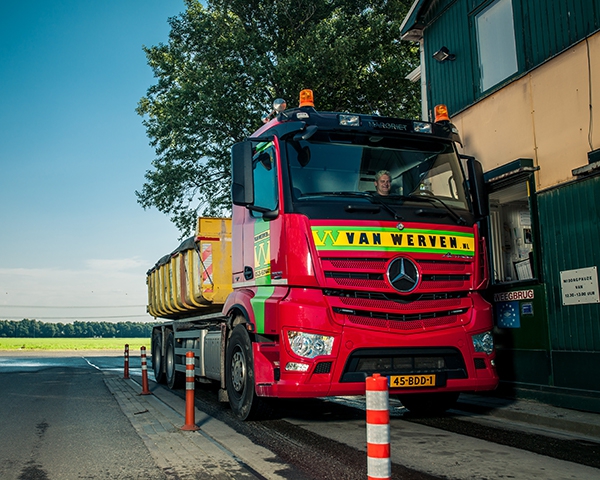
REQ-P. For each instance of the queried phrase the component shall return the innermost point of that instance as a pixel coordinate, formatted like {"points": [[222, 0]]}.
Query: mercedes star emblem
{"points": [[402, 274]]}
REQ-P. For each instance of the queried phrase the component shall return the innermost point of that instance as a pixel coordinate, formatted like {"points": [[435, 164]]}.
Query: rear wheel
{"points": [[174, 378], [240, 376], [157, 358], [426, 404]]}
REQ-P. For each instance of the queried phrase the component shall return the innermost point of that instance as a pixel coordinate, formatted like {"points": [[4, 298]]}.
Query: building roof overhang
{"points": [[412, 26]]}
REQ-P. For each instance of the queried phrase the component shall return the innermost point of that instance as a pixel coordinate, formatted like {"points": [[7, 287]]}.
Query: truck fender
{"points": [[239, 301]]}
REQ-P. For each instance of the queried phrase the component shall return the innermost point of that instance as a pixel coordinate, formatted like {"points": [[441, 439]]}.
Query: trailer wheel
{"points": [[240, 376], [428, 404], [174, 378], [157, 358]]}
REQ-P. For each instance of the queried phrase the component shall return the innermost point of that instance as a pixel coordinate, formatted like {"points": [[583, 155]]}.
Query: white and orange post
{"points": [[126, 363], [379, 466], [145, 389], [190, 406]]}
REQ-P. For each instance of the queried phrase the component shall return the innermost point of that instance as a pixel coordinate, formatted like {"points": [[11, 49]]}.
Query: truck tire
{"points": [[174, 378], [429, 404], [239, 379], [157, 358]]}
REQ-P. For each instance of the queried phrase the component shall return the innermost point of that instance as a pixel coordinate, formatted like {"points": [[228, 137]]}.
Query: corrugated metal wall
{"points": [[543, 28], [449, 82], [570, 235], [550, 26]]}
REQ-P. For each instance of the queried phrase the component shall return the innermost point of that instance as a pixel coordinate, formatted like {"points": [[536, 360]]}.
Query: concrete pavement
{"points": [[219, 452], [533, 414], [215, 451]]}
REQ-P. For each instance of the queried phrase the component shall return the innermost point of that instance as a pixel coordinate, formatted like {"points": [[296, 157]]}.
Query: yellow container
{"points": [[209, 265], [196, 277], [156, 288]]}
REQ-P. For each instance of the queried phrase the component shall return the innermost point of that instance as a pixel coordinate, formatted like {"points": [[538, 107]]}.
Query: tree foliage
{"points": [[225, 63], [27, 328]]}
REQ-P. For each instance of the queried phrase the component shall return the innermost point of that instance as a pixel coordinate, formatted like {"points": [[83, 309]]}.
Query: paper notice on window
{"points": [[525, 218]]}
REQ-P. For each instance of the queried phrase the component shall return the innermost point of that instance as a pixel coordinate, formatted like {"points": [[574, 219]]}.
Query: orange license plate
{"points": [[411, 381]]}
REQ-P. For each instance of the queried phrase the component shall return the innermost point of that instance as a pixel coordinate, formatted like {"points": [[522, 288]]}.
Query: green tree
{"points": [[48, 330], [225, 63], [68, 330], [26, 328]]}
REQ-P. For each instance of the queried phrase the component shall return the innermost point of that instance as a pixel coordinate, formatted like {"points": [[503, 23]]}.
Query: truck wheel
{"points": [[174, 378], [240, 376], [157, 358], [428, 404]]}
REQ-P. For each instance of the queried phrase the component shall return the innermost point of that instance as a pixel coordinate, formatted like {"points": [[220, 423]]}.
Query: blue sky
{"points": [[74, 242]]}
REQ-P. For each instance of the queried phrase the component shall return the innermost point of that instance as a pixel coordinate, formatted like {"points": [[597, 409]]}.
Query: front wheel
{"points": [[428, 404], [240, 376]]}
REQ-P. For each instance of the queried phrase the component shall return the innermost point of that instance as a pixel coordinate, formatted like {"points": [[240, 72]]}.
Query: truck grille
{"points": [[374, 280], [414, 321], [360, 294], [404, 323], [443, 275]]}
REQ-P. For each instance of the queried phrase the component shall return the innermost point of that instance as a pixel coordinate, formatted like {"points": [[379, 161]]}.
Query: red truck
{"points": [[355, 249]]}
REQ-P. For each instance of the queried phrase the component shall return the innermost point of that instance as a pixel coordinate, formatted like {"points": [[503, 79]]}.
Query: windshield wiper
{"points": [[379, 200], [432, 199], [373, 198]]}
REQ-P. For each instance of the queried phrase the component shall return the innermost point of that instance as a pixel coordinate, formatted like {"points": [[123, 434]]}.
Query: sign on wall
{"points": [[510, 307], [579, 286]]}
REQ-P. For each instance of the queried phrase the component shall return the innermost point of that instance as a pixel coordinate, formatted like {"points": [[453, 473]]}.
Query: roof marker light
{"points": [[348, 120], [422, 127]]}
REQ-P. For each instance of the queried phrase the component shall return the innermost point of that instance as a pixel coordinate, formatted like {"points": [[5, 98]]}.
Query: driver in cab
{"points": [[383, 182]]}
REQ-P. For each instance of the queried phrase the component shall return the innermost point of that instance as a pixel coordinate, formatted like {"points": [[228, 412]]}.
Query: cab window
{"points": [[265, 177]]}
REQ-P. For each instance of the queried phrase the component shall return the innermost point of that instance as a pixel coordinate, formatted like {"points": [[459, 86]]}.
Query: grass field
{"points": [[73, 343]]}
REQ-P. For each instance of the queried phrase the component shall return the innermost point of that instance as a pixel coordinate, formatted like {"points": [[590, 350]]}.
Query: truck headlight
{"points": [[310, 345], [483, 342]]}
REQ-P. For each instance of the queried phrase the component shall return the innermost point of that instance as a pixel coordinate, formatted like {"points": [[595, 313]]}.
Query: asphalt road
{"points": [[326, 440], [59, 421]]}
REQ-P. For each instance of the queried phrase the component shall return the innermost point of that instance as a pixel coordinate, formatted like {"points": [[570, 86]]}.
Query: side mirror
{"points": [[477, 187], [242, 182]]}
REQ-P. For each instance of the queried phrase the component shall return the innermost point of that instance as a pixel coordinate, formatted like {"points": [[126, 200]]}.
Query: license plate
{"points": [[410, 381]]}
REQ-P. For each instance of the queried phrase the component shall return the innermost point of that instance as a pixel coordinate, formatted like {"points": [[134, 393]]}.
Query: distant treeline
{"points": [[32, 328]]}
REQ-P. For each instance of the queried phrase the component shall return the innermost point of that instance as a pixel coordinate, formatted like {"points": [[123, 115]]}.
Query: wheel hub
{"points": [[238, 371], [169, 361]]}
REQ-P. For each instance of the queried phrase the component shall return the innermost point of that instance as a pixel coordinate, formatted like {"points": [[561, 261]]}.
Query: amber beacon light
{"points": [[306, 98], [441, 114]]}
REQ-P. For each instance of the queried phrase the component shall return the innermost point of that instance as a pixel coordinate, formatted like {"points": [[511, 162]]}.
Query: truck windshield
{"points": [[418, 170]]}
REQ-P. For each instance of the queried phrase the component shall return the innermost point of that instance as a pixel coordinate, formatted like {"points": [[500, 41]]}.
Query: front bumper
{"points": [[360, 351]]}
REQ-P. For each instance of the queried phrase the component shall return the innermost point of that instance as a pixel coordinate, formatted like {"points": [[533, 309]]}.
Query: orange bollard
{"points": [[190, 408], [126, 363], [145, 390], [379, 466]]}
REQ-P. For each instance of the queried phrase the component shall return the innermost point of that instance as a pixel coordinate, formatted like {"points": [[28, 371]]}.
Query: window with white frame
{"points": [[496, 45]]}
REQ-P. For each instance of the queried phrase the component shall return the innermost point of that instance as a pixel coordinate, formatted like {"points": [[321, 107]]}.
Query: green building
{"points": [[521, 80]]}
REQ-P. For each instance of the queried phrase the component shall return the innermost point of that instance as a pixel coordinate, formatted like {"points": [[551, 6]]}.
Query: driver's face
{"points": [[383, 185]]}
